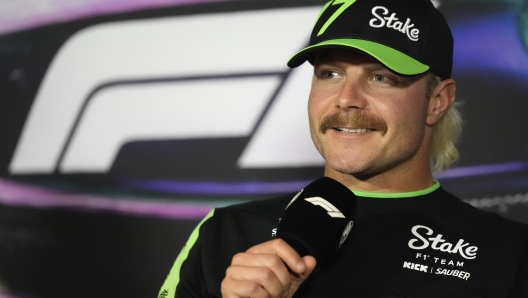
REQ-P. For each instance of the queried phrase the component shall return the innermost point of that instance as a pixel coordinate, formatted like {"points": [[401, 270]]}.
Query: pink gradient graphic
{"points": [[24, 14], [19, 194]]}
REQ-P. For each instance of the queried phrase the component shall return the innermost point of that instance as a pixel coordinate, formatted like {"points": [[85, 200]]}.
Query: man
{"points": [[382, 116]]}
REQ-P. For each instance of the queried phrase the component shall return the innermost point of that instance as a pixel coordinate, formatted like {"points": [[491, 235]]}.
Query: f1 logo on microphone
{"points": [[332, 210]]}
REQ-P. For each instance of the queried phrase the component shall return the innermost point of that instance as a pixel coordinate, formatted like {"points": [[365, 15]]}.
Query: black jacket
{"points": [[423, 245]]}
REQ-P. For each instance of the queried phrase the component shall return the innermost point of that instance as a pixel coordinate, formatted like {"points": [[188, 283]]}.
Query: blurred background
{"points": [[124, 122]]}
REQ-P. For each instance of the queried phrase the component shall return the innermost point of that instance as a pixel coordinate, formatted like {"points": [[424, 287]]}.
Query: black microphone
{"points": [[318, 219]]}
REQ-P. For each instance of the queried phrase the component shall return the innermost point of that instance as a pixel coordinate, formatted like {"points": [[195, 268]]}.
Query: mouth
{"points": [[353, 130]]}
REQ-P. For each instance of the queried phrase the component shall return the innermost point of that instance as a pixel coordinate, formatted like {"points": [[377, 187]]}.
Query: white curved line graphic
{"points": [[195, 45]]}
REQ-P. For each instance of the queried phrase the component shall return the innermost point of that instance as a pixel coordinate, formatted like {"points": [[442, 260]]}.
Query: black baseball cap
{"points": [[409, 37]]}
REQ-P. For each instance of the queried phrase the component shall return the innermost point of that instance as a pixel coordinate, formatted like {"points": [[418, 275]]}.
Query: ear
{"points": [[441, 99]]}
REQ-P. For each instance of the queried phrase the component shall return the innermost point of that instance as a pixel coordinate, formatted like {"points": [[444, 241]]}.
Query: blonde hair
{"points": [[446, 133]]}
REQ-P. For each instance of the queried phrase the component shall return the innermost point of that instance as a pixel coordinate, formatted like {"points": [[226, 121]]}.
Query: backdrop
{"points": [[122, 123]]}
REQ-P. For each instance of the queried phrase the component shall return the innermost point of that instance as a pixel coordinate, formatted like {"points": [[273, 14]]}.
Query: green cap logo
{"points": [[344, 5]]}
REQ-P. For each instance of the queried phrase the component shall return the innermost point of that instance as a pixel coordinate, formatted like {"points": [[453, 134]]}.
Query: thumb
{"points": [[306, 266]]}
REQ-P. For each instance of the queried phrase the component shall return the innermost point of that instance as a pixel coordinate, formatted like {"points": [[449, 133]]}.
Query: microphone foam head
{"points": [[319, 218]]}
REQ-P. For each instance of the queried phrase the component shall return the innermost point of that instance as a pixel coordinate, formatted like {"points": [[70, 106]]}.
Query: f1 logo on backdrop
{"points": [[171, 78]]}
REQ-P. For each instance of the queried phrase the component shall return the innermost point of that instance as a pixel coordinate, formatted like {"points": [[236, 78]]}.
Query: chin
{"points": [[352, 168]]}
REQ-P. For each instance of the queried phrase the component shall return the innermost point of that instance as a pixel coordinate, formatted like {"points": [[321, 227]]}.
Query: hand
{"points": [[262, 271]]}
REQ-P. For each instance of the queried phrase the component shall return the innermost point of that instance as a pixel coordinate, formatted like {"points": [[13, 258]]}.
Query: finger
{"points": [[273, 262], [309, 263], [296, 281], [242, 288], [264, 277], [284, 251]]}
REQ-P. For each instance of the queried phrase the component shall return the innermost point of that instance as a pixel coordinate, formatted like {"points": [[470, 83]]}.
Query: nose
{"points": [[350, 96]]}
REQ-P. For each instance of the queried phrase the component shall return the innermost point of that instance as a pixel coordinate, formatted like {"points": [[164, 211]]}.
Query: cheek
{"points": [[315, 114], [322, 96], [407, 114], [314, 122], [408, 129], [314, 99], [316, 108]]}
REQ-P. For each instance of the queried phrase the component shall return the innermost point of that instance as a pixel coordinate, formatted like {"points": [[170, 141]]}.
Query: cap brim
{"points": [[390, 57]]}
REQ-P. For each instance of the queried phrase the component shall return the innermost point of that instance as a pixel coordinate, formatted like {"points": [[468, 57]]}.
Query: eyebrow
{"points": [[371, 66], [325, 60], [377, 66]]}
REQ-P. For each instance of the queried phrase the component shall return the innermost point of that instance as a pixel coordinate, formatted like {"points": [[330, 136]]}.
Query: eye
{"points": [[380, 78], [329, 74]]}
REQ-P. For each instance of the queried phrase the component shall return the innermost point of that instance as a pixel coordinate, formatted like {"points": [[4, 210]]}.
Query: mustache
{"points": [[354, 120]]}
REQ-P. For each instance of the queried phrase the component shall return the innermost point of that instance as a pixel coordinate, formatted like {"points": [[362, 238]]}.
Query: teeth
{"points": [[354, 130]]}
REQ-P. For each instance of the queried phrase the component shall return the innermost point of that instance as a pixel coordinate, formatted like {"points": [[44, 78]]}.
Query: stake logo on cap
{"points": [[409, 37]]}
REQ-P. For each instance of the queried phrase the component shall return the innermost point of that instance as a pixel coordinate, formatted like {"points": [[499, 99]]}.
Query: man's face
{"points": [[364, 119]]}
